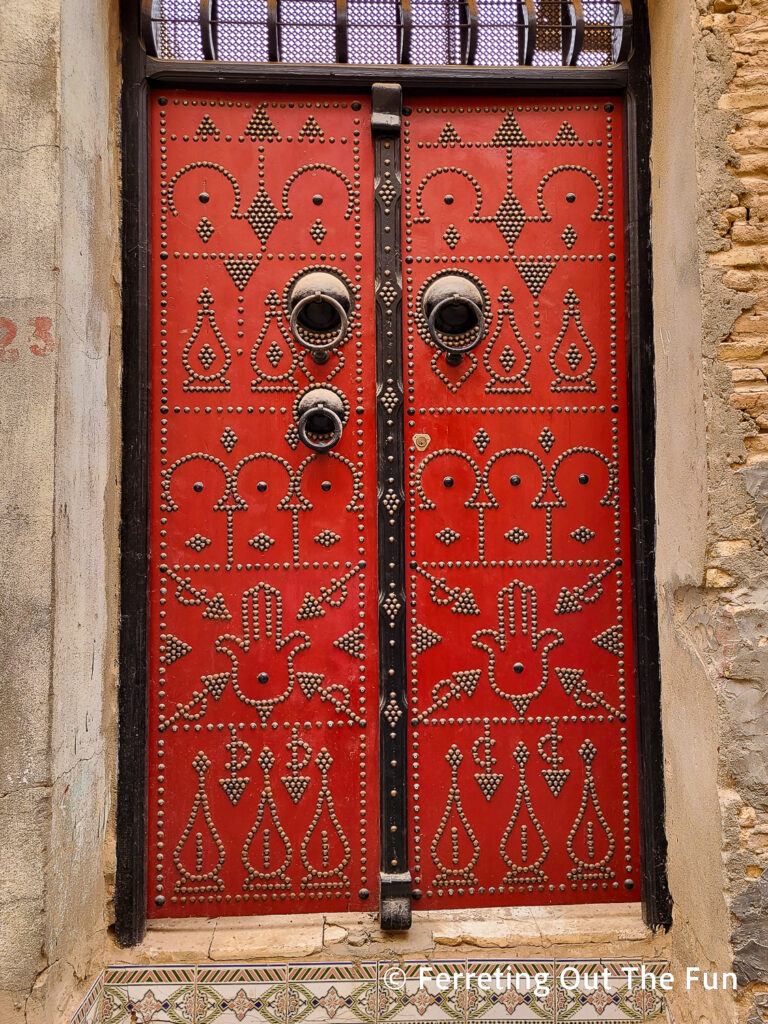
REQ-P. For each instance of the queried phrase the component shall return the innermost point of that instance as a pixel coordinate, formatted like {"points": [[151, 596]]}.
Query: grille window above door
{"points": [[430, 33]]}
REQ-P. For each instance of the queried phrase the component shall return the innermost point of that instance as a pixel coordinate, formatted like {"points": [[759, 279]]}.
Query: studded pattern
{"points": [[265, 603], [520, 675], [263, 600]]}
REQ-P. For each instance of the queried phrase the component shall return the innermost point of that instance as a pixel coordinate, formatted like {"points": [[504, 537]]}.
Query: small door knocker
{"points": [[320, 304], [320, 418], [454, 310]]}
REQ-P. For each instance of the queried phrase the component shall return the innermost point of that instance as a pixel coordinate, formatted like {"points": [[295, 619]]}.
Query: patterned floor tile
{"points": [[149, 995], [341, 992], [504, 990], [89, 1010], [477, 991], [408, 993], [604, 991], [243, 994]]}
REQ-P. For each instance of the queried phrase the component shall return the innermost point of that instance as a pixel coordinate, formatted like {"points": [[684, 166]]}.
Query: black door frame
{"points": [[141, 76]]}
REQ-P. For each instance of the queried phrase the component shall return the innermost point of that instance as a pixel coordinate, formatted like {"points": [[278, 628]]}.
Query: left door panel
{"points": [[263, 775]]}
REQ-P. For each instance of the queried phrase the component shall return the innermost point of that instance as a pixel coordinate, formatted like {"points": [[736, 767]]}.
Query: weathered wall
{"points": [[58, 224], [710, 151]]}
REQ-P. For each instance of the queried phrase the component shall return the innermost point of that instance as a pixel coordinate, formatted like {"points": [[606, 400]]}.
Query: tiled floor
{"points": [[488, 991]]}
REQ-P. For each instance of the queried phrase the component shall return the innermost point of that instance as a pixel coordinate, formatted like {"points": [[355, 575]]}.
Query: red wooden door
{"points": [[267, 592], [263, 769], [521, 676]]}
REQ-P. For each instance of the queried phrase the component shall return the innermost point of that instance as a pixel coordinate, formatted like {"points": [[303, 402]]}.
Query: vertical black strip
{"points": [[148, 28], [469, 29], [273, 31], [207, 32], [341, 32], [131, 825], [657, 902], [395, 906]]}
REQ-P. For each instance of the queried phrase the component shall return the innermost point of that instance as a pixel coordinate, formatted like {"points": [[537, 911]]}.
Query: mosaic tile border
{"points": [[367, 992]]}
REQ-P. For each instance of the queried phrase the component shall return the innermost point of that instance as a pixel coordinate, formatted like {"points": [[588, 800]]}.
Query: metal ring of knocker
{"points": [[318, 348], [325, 403], [455, 352], [320, 304]]}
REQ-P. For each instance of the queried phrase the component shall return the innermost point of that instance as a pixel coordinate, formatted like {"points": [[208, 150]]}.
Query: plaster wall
{"points": [[59, 310]]}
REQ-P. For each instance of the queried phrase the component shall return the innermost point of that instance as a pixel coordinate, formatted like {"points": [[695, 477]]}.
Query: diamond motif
{"points": [[451, 236], [204, 228], [393, 712], [583, 535], [510, 219], [546, 439], [516, 535], [481, 440], [387, 192], [569, 236], [292, 436], [388, 293], [228, 439], [262, 542], [447, 536], [318, 231], [391, 606], [573, 356], [327, 538], [198, 542], [274, 354], [391, 502], [389, 399], [507, 358], [262, 215], [207, 356]]}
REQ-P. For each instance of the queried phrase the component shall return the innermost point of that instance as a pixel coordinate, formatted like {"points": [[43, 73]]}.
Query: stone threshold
{"points": [[605, 930]]}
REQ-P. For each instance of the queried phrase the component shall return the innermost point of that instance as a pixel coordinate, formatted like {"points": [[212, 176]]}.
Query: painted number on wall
{"points": [[39, 340]]}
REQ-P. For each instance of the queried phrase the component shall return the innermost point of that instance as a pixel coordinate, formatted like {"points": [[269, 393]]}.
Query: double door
{"points": [[389, 587]]}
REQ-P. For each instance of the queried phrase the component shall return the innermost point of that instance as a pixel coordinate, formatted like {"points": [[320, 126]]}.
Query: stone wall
{"points": [[59, 339], [711, 297]]}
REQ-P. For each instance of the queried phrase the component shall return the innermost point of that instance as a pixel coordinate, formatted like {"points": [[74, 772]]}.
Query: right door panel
{"points": [[523, 770]]}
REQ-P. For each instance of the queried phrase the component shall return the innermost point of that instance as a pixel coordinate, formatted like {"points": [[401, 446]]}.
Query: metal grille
{"points": [[177, 29], [240, 28], [438, 26], [498, 34], [308, 32], [375, 31], [484, 33]]}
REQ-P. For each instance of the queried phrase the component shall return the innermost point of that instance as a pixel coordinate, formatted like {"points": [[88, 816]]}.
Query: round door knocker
{"points": [[319, 304], [320, 418], [454, 311]]}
